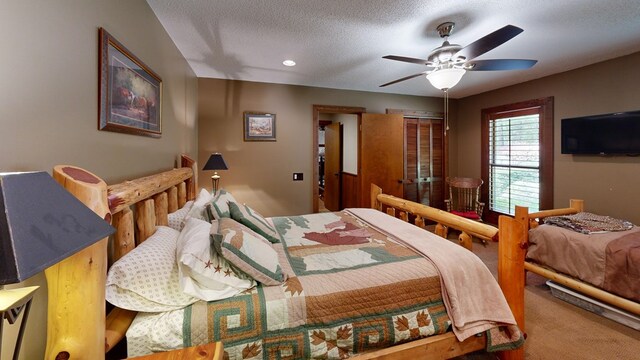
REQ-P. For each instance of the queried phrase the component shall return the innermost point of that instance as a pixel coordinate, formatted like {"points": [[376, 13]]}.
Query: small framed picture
{"points": [[259, 126]]}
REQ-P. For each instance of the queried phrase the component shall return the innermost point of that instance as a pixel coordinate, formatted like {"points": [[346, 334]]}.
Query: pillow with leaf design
{"points": [[220, 204], [245, 215], [204, 273], [248, 251]]}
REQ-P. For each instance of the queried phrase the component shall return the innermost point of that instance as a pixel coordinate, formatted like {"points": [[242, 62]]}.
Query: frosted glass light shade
{"points": [[445, 78]]}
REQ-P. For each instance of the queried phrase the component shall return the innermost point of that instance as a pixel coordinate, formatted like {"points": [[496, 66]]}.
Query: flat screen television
{"points": [[616, 133]]}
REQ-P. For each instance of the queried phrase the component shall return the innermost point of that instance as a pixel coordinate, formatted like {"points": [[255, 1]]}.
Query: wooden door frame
{"points": [[330, 109]]}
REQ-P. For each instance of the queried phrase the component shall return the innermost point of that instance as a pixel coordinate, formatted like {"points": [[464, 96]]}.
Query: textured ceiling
{"points": [[340, 43]]}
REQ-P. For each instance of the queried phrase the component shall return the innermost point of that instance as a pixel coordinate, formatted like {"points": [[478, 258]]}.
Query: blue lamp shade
{"points": [[41, 223], [215, 162]]}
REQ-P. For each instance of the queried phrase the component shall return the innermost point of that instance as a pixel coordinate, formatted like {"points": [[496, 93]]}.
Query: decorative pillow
{"points": [[198, 210], [203, 272], [146, 278], [176, 218], [248, 251], [219, 204], [245, 215]]}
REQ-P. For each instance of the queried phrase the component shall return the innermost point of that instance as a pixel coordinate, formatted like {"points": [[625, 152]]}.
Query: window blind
{"points": [[514, 163]]}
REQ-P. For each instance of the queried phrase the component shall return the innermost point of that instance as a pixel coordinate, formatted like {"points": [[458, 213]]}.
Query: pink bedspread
{"points": [[473, 298], [610, 261]]}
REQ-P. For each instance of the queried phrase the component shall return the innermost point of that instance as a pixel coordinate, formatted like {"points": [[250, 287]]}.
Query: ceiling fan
{"points": [[449, 62]]}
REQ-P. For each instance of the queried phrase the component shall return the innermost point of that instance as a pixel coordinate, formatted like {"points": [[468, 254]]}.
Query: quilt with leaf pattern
{"points": [[349, 289]]}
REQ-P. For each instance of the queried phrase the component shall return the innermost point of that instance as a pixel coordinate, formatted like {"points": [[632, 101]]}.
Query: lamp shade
{"points": [[41, 223], [215, 162], [445, 78]]}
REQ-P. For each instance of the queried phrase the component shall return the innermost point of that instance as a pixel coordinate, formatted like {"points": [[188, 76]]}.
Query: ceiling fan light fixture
{"points": [[445, 79]]}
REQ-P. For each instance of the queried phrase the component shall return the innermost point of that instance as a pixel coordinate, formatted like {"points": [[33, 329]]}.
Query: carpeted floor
{"points": [[559, 330]]}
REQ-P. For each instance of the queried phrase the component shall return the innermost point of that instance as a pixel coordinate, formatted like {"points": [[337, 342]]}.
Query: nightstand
{"points": [[211, 351]]}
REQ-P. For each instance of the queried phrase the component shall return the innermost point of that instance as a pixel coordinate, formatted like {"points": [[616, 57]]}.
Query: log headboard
{"points": [[77, 324]]}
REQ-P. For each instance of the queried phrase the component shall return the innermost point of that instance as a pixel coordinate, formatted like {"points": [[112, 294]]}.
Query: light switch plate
{"points": [[297, 176]]}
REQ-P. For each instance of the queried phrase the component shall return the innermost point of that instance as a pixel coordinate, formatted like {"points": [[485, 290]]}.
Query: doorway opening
{"points": [[332, 114]]}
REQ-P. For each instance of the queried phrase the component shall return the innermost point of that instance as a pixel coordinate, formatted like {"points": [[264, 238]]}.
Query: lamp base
{"points": [[215, 180], [12, 303]]}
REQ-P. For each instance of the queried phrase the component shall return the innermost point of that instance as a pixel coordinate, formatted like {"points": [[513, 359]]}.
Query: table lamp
{"points": [[41, 223], [215, 162]]}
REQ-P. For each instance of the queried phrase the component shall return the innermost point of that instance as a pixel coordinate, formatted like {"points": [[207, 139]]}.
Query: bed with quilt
{"points": [[323, 286], [608, 249], [356, 283], [594, 255]]}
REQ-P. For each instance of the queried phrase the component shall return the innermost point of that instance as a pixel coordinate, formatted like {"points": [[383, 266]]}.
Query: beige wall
{"points": [[607, 184], [49, 103], [260, 173]]}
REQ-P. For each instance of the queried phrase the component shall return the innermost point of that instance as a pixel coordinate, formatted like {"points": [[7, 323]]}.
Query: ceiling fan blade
{"points": [[488, 42], [403, 79], [499, 64], [406, 59]]}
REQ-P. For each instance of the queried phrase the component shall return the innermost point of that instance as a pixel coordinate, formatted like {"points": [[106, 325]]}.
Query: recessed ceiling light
{"points": [[289, 63]]}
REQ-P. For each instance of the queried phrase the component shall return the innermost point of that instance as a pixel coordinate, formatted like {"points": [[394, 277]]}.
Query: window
{"points": [[517, 157]]}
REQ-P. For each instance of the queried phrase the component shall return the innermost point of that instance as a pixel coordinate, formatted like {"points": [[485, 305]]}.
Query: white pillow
{"points": [[176, 218], [146, 278], [198, 210], [203, 272]]}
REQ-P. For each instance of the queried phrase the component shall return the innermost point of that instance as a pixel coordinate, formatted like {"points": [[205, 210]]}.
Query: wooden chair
{"points": [[463, 197]]}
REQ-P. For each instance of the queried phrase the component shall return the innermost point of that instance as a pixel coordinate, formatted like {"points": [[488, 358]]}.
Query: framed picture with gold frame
{"points": [[259, 126], [130, 92]]}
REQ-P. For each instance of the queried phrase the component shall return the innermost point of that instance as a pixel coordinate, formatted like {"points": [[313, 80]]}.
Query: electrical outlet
{"points": [[297, 176]]}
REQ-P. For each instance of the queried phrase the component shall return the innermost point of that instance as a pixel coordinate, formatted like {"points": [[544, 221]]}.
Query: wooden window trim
{"points": [[544, 107]]}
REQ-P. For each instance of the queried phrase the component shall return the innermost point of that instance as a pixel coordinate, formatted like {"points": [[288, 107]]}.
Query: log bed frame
{"points": [[515, 244], [78, 326]]}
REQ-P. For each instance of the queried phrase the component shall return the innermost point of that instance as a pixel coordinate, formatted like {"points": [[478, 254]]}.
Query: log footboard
{"points": [[444, 220], [511, 258]]}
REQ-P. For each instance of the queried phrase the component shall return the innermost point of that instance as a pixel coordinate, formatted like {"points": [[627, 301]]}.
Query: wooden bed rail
{"points": [[575, 206], [444, 220], [586, 289], [128, 193], [77, 325]]}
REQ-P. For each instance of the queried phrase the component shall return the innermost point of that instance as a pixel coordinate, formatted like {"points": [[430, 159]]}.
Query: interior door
{"points": [[332, 166], [424, 165], [381, 155]]}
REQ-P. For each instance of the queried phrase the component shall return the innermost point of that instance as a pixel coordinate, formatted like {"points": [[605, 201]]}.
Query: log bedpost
{"points": [[161, 206], [375, 191], [511, 254], [172, 204], [145, 220], [182, 194], [577, 205], [76, 285], [123, 239], [192, 183]]}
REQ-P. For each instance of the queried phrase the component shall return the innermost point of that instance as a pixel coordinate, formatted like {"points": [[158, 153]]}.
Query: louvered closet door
{"points": [[424, 161]]}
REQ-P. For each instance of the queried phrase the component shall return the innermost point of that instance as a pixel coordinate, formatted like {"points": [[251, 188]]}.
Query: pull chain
{"points": [[446, 111]]}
